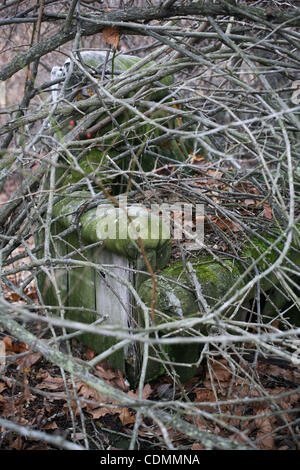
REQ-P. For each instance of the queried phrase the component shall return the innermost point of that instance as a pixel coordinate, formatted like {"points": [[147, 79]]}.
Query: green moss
{"points": [[54, 291], [214, 278], [258, 248], [119, 232], [66, 208], [176, 301], [91, 164]]}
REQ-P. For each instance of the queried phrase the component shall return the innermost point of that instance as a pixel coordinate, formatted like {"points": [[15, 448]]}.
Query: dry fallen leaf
{"points": [[103, 373], [12, 297], [111, 35], [220, 371], [90, 393], [51, 426], [126, 417], [28, 361], [51, 383], [8, 343], [223, 223], [90, 354], [13, 347], [197, 446], [268, 211], [264, 428], [17, 443], [204, 395], [100, 412], [147, 390]]}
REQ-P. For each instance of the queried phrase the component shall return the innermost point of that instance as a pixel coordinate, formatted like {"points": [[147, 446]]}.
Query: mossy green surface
{"points": [[81, 294], [91, 163], [123, 62], [177, 300], [121, 229], [277, 299], [54, 291]]}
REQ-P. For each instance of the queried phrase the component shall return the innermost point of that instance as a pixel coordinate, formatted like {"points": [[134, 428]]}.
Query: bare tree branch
{"points": [[119, 17]]}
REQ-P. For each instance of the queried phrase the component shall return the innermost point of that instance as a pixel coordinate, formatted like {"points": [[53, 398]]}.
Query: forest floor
{"points": [[33, 393]]}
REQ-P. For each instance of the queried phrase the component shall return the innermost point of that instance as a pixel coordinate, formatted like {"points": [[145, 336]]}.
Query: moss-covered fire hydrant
{"points": [[89, 240]]}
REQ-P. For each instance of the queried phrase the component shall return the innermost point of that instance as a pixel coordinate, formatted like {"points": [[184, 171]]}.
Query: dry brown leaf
{"points": [[104, 410], [235, 227], [16, 407], [31, 292], [119, 382], [124, 414], [51, 383], [100, 412], [111, 35], [197, 446], [106, 374], [268, 213], [51, 426], [28, 361], [247, 188], [12, 347], [42, 374], [17, 444], [221, 371], [126, 417], [147, 390], [89, 354], [9, 383], [12, 297], [8, 343], [224, 224], [264, 428], [205, 395], [90, 393]]}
